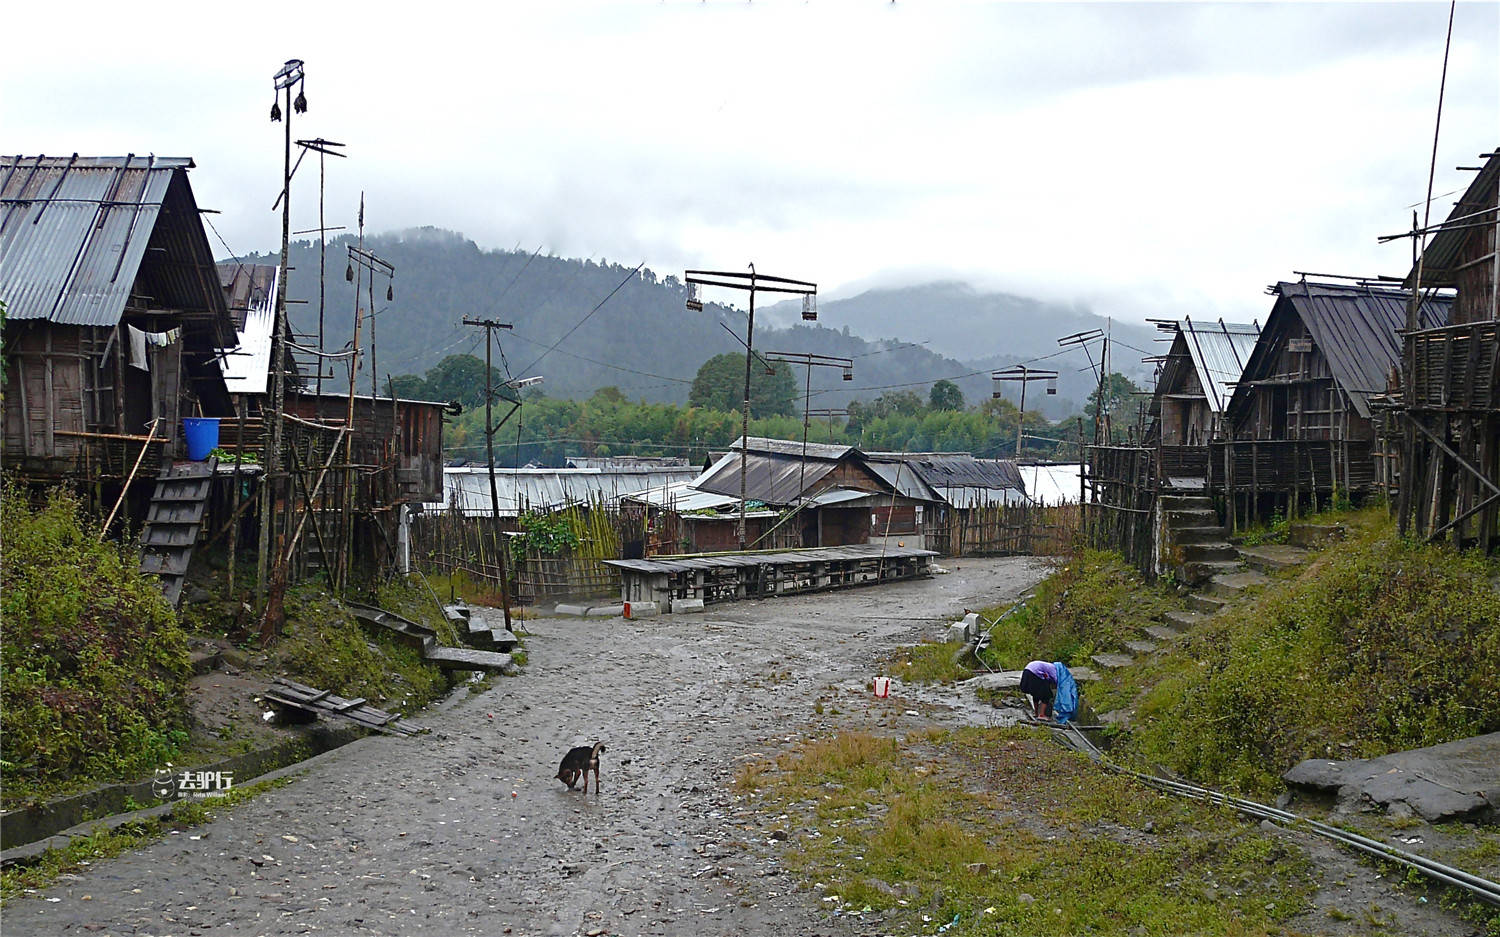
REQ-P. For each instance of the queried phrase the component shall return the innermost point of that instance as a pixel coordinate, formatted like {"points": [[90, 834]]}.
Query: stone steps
{"points": [[1184, 621], [1273, 557], [1196, 574], [1207, 604], [1209, 552], [1163, 632], [1232, 585]]}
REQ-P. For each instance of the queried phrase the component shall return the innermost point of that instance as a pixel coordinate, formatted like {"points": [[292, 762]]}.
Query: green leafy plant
{"points": [[544, 534]]}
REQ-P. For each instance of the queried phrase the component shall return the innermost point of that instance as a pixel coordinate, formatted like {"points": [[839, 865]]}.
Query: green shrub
{"points": [[94, 661]]}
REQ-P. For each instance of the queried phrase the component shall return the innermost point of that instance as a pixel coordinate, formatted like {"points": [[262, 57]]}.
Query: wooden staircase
{"points": [[172, 523]]}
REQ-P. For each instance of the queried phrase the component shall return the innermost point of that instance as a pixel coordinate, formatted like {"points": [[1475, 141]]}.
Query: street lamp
{"points": [[750, 282], [811, 360]]}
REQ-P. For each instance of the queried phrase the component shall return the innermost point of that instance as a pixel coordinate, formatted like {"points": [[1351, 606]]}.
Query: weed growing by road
{"points": [[927, 663], [997, 831]]}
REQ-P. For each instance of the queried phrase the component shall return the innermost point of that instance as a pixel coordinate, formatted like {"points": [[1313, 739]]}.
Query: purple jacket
{"points": [[1044, 670]]}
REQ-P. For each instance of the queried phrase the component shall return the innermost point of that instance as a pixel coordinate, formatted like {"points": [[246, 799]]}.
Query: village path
{"points": [[465, 831]]}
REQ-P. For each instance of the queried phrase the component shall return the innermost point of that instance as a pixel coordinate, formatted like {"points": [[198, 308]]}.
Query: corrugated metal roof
{"points": [[775, 471], [955, 469], [859, 551], [1219, 352], [904, 479], [520, 490], [250, 292], [74, 232], [814, 450], [1442, 252], [1354, 326]]}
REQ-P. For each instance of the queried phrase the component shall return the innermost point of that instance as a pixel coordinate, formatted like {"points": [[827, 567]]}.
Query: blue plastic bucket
{"points": [[202, 436]]}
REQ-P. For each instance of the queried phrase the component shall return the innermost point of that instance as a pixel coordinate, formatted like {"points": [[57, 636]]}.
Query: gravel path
{"points": [[465, 831]]}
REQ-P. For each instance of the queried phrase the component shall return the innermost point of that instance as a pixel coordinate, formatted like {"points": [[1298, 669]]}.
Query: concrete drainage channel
{"points": [[27, 832]]}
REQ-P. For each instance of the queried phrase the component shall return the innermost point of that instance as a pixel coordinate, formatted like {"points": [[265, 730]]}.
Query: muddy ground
{"points": [[465, 830]]}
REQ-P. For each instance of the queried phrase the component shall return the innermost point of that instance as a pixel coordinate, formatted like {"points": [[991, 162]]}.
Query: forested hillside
{"points": [[587, 324]]}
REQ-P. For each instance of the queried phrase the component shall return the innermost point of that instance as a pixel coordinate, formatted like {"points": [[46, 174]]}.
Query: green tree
{"points": [[945, 395], [409, 387], [461, 378], [720, 385], [1122, 403]]}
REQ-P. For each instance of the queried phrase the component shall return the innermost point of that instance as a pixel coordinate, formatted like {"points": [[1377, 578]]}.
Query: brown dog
{"points": [[580, 761]]}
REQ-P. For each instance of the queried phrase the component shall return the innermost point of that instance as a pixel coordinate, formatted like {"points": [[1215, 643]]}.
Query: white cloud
{"points": [[1131, 155]]}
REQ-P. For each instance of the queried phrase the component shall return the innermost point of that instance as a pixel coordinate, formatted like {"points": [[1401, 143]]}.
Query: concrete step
{"points": [[1195, 574], [1308, 534], [1186, 503], [1209, 552], [1162, 632], [1184, 621], [1192, 517], [1273, 557], [1206, 604], [1141, 647], [1233, 585], [1187, 535], [1112, 661]]}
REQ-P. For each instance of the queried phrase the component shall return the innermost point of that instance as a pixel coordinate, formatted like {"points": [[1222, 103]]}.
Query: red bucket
{"points": [[882, 687]]}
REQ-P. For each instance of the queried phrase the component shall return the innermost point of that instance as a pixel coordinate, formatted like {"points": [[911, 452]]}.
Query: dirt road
{"points": [[465, 831]]}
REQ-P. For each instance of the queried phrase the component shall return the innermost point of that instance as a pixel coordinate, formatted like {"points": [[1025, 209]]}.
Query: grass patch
{"points": [[103, 844], [930, 662], [1090, 603], [322, 645], [997, 831], [1379, 645]]}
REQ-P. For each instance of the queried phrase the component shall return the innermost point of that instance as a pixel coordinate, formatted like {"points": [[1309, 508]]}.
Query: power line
{"points": [[621, 285]]}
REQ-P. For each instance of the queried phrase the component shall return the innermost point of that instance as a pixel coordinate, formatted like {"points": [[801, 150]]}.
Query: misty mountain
{"points": [[586, 325], [987, 331]]}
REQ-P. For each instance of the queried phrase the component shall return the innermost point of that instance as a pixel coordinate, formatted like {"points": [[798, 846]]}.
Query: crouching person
{"points": [[1053, 691]]}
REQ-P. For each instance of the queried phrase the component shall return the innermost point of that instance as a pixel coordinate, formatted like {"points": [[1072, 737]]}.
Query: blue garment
{"points": [[1065, 707]]}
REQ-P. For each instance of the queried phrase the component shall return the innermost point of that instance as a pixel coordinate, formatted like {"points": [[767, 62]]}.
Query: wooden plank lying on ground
{"points": [[284, 692]]}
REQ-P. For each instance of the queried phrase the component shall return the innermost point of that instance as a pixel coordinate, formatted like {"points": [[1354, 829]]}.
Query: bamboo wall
{"points": [[1005, 530]]}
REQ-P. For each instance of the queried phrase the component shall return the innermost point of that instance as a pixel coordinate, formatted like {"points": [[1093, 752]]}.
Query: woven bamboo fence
{"points": [[1007, 530]]}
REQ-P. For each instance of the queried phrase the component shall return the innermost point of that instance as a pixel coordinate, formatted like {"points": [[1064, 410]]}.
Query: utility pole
{"points": [[367, 262], [751, 282], [828, 413], [489, 326], [1025, 375], [811, 361], [290, 75]]}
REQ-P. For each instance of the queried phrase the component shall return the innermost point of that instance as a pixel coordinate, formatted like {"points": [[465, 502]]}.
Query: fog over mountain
{"points": [[586, 325]]}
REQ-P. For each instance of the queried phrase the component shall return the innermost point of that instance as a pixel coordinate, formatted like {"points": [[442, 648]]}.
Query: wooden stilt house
{"points": [[114, 316], [1298, 429], [1450, 401]]}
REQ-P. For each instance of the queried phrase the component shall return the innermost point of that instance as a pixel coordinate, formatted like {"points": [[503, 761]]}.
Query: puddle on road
{"points": [[960, 703]]}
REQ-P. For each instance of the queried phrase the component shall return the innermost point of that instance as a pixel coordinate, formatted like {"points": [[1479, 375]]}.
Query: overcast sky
{"points": [[1146, 159]]}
